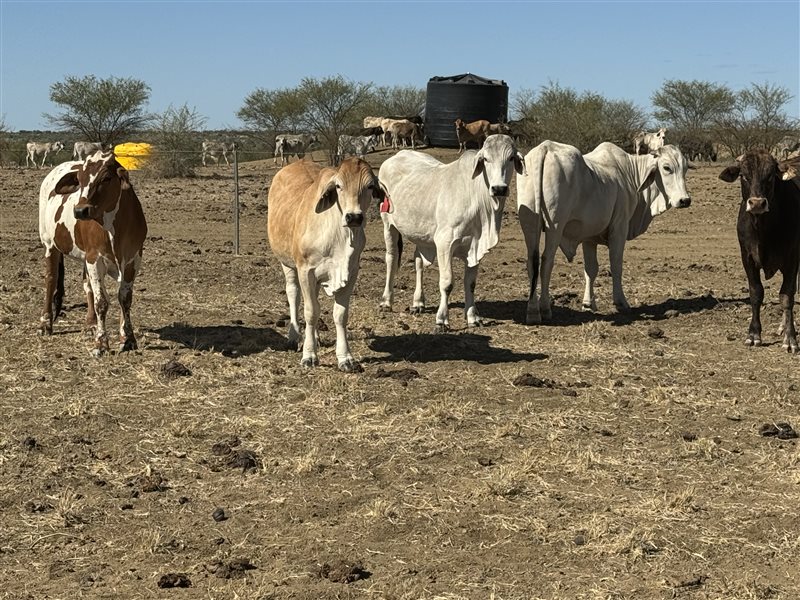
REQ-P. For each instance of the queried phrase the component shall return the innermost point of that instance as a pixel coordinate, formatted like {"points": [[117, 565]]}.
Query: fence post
{"points": [[235, 202]]}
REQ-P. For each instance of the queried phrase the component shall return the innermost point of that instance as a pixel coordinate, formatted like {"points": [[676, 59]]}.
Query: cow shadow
{"points": [[228, 340], [424, 348], [515, 310]]}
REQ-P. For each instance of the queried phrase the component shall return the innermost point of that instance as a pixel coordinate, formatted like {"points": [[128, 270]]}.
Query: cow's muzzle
{"points": [[684, 203], [500, 190], [757, 206], [353, 219], [82, 213]]}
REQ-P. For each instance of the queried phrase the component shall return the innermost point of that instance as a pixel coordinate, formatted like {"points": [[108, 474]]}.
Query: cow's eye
{"points": [[667, 169]]}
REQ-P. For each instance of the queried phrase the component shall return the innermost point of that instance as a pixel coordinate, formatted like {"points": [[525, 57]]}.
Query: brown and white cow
{"points": [[315, 226], [476, 131], [89, 211]]}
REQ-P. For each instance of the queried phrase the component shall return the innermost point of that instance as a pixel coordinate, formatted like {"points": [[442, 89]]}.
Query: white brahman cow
{"points": [[604, 197], [80, 150], [288, 144], [447, 210], [315, 226], [34, 148], [645, 142], [217, 149]]}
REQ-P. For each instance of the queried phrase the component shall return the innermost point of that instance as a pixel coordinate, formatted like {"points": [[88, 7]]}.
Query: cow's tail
{"points": [[539, 205], [541, 220], [532, 209], [399, 248]]}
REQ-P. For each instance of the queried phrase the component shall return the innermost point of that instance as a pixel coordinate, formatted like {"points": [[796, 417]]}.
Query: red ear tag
{"points": [[386, 205]]}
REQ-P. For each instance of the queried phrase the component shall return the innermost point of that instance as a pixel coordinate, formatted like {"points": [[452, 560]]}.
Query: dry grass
{"points": [[640, 474]]}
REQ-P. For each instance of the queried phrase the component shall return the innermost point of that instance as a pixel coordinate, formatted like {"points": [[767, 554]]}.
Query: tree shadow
{"points": [[515, 310], [229, 340], [424, 347]]}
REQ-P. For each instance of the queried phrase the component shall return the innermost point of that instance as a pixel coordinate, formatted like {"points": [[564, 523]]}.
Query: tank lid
{"points": [[467, 78]]}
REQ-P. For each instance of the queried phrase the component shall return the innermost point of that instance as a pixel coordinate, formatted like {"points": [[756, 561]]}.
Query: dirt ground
{"points": [[601, 456]]}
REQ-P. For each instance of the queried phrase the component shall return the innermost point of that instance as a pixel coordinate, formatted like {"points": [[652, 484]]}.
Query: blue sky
{"points": [[210, 54]]}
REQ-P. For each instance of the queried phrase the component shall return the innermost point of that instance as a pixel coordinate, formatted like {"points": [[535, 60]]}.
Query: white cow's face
{"points": [[670, 176], [497, 160]]}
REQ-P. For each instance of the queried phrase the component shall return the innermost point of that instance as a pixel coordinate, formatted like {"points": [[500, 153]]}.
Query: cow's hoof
{"points": [[441, 328], [790, 346], [45, 330], [533, 316], [126, 345], [752, 340], [475, 323], [586, 307], [416, 310], [309, 362], [385, 308], [350, 365], [622, 309]]}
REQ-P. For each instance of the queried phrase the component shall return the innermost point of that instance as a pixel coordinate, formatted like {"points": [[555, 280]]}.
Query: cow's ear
{"points": [[479, 167], [519, 164], [788, 169], [378, 193], [327, 195], [68, 184], [124, 180], [650, 178], [730, 174]]}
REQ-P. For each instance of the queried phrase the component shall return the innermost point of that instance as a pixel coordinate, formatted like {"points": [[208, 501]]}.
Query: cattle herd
{"points": [[89, 211]]}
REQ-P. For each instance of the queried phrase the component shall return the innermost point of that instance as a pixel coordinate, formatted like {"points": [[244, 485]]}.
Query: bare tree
{"points": [[333, 106], [273, 111], [102, 110], [691, 106], [396, 100], [175, 141], [582, 120]]}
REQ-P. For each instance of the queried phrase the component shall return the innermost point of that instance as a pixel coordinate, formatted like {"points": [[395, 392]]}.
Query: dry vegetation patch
{"points": [[632, 456]]}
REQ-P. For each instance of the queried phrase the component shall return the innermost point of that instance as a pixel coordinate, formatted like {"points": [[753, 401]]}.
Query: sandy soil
{"points": [[601, 456]]}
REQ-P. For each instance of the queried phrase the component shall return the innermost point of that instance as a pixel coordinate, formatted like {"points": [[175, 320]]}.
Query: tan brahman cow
{"points": [[315, 226]]}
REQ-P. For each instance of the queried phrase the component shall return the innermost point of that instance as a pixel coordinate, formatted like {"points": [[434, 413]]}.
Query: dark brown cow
{"points": [[769, 236], [89, 211]]}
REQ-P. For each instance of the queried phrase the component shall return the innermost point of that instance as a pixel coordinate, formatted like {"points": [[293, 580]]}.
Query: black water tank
{"points": [[468, 97]]}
